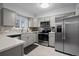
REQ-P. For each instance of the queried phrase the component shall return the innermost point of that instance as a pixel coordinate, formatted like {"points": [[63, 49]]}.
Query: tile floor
{"points": [[45, 51]]}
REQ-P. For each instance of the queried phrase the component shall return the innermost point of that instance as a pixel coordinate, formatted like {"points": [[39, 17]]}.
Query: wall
{"points": [[59, 11], [53, 13], [77, 9], [17, 9]]}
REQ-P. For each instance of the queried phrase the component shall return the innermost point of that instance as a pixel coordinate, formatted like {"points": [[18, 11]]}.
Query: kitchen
{"points": [[27, 32]]}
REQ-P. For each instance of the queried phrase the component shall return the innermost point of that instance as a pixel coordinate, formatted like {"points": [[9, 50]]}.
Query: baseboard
{"points": [[65, 53], [51, 46]]}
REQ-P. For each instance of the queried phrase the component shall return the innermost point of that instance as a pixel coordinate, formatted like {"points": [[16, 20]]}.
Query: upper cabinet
{"points": [[30, 21], [35, 22], [46, 18], [8, 17], [77, 9], [38, 21], [52, 21], [42, 19]]}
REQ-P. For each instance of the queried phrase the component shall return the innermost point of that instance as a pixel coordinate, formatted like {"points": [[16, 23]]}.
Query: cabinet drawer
{"points": [[51, 41], [51, 35], [25, 44], [30, 41]]}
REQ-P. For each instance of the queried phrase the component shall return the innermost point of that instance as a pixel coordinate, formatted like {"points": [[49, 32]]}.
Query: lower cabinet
{"points": [[52, 39], [15, 51], [29, 38]]}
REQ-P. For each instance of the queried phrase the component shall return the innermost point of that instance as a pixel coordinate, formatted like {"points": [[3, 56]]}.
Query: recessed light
{"points": [[44, 5]]}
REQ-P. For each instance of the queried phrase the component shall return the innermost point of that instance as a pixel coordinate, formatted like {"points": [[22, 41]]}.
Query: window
{"points": [[21, 22]]}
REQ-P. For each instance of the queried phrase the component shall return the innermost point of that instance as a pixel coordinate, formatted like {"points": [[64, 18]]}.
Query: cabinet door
{"points": [[24, 38], [28, 38], [38, 22], [30, 22], [47, 18], [35, 22], [77, 9], [52, 21], [35, 38], [8, 17], [0, 17], [52, 41], [31, 40]]}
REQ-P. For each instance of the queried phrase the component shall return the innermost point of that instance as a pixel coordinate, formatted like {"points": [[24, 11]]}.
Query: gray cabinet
{"points": [[29, 38], [52, 39], [8, 17], [15, 51]]}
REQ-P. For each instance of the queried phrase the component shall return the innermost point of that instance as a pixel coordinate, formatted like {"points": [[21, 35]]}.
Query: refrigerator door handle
{"points": [[64, 32]]}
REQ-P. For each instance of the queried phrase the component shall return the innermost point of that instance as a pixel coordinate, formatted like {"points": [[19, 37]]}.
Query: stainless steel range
{"points": [[43, 34]]}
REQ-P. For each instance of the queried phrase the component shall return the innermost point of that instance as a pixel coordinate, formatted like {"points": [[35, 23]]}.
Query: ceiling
{"points": [[35, 9]]}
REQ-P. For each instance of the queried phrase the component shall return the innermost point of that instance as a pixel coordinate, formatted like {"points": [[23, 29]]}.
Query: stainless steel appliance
{"points": [[43, 35], [67, 35], [45, 24]]}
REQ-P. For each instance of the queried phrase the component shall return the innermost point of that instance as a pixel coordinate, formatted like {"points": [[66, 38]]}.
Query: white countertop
{"points": [[7, 42], [11, 33], [52, 32]]}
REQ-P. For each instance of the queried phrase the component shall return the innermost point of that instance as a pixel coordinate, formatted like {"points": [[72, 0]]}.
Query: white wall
{"points": [[53, 13], [77, 9], [59, 11], [17, 9]]}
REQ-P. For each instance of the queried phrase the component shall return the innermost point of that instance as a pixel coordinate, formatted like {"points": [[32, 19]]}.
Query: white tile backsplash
{"points": [[6, 29]]}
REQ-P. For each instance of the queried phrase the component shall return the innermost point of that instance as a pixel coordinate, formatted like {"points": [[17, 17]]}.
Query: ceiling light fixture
{"points": [[44, 5]]}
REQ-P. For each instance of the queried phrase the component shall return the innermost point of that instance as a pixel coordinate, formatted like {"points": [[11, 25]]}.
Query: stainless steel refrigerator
{"points": [[67, 35]]}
